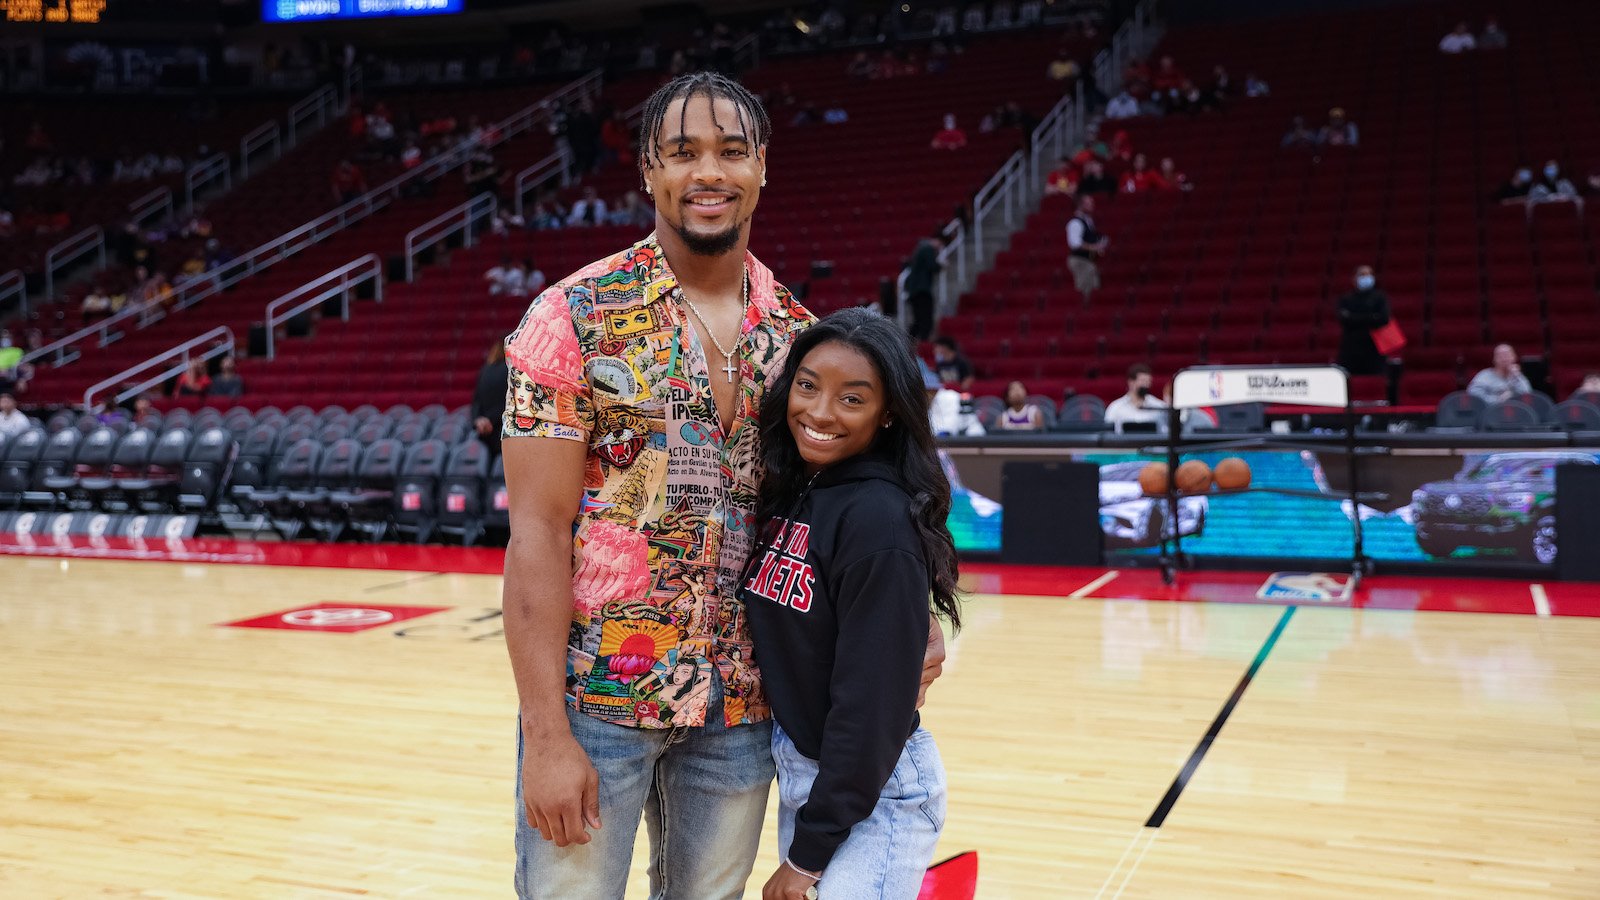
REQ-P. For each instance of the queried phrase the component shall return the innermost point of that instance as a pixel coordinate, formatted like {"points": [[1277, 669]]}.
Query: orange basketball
{"points": [[1194, 477], [1232, 473], [1153, 478]]}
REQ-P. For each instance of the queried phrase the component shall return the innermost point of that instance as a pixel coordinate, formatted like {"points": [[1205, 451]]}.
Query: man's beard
{"points": [[711, 244]]}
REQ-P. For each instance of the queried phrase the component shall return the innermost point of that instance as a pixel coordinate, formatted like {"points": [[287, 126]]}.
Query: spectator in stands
{"points": [[1516, 189], [1085, 246], [583, 138], [1062, 67], [8, 223], [1063, 179], [630, 209], [1458, 41], [861, 66], [1255, 87], [1168, 78], [616, 139], [489, 398], [1492, 38], [1339, 131], [1095, 180], [1221, 87], [951, 364], [1123, 106], [1590, 388], [482, 174], [950, 137], [498, 275], [217, 256], [588, 211], [96, 305], [227, 383], [1138, 177], [1554, 187], [546, 216], [1138, 405], [12, 421], [1019, 414], [1170, 179], [973, 20], [1502, 381], [192, 269], [532, 278], [925, 267], [1360, 311], [348, 182], [194, 382]]}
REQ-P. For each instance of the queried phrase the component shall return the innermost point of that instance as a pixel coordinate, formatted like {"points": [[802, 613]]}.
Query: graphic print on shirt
{"points": [[784, 576], [607, 357]]}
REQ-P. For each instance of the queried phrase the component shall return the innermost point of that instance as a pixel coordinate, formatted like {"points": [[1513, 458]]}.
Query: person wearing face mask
{"points": [[1517, 189], [1138, 405], [1553, 187], [1360, 311]]}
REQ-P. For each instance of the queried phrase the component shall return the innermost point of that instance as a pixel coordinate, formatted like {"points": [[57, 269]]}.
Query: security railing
{"points": [[322, 105], [158, 201], [955, 238], [268, 137], [460, 219], [208, 171], [216, 342], [69, 251], [13, 284], [337, 283], [554, 167], [1004, 193], [64, 350]]}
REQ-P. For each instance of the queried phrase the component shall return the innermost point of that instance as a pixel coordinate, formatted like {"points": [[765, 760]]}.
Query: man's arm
{"points": [[544, 479]]}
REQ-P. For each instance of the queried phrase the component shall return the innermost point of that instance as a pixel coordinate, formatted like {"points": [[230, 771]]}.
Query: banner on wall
{"points": [[1489, 505]]}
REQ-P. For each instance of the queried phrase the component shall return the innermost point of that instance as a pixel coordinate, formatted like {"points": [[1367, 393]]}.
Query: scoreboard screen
{"points": [[81, 11], [321, 10]]}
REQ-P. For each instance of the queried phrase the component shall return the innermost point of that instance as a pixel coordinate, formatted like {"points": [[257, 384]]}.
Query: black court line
{"points": [[1182, 781], [403, 582]]}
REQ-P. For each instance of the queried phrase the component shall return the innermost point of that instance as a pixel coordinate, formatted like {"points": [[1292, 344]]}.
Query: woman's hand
{"points": [[788, 884]]}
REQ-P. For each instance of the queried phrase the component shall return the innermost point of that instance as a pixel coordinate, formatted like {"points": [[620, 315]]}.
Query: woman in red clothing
{"points": [[195, 382]]}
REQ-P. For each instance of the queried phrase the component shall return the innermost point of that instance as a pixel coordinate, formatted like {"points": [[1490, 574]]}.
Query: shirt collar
{"points": [[763, 286]]}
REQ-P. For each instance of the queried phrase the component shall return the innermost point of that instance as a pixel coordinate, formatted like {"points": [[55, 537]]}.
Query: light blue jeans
{"points": [[702, 793], [887, 855]]}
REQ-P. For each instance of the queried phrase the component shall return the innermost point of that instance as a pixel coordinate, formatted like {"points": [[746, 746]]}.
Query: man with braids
{"points": [[631, 458]]}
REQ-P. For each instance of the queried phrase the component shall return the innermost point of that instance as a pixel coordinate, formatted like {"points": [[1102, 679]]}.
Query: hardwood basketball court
{"points": [[148, 750]]}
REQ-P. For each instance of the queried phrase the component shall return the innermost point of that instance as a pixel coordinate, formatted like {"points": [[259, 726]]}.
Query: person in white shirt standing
{"points": [[1458, 41], [1138, 404], [1085, 244], [12, 421]]}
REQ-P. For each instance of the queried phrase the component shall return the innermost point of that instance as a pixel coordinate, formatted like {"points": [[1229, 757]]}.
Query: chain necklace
{"points": [[727, 355]]}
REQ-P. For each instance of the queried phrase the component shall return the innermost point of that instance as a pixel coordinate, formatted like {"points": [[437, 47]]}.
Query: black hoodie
{"points": [[837, 598]]}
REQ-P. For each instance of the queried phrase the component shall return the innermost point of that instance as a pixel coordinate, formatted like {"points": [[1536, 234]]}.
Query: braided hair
{"points": [[753, 119]]}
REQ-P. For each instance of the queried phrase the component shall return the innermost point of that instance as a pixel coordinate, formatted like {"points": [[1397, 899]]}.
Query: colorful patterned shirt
{"points": [[607, 357]]}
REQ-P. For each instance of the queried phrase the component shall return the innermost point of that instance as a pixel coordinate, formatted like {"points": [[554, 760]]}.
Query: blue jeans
{"points": [[702, 793], [887, 855]]}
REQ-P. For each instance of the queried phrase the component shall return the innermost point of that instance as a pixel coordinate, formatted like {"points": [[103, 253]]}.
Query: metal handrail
{"points": [[320, 103], [998, 190], [157, 201], [13, 284], [752, 43], [204, 172], [424, 236], [1052, 132], [221, 332], [366, 268], [955, 235], [318, 229], [270, 134], [534, 176], [68, 252]]}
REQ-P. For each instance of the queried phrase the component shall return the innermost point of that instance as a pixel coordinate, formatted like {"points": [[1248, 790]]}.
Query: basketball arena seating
{"points": [[397, 473], [1247, 268], [293, 190], [427, 339], [108, 129]]}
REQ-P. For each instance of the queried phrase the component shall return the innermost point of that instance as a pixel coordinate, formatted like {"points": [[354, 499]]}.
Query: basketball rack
{"points": [[1203, 386]]}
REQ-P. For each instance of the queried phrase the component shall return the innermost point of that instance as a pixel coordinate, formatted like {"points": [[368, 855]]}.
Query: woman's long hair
{"points": [[907, 443]]}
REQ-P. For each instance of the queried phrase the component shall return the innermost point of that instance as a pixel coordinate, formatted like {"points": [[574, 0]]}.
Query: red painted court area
{"points": [[1432, 594]]}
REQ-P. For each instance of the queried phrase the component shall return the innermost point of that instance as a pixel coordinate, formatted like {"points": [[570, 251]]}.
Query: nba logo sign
{"points": [[1214, 384], [1306, 586]]}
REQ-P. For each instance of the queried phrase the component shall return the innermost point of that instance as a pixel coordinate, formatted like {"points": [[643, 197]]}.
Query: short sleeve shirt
{"points": [[607, 357]]}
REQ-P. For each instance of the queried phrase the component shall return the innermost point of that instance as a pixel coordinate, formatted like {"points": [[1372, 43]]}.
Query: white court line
{"points": [[1154, 833], [1115, 868], [1095, 584], [1541, 600]]}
